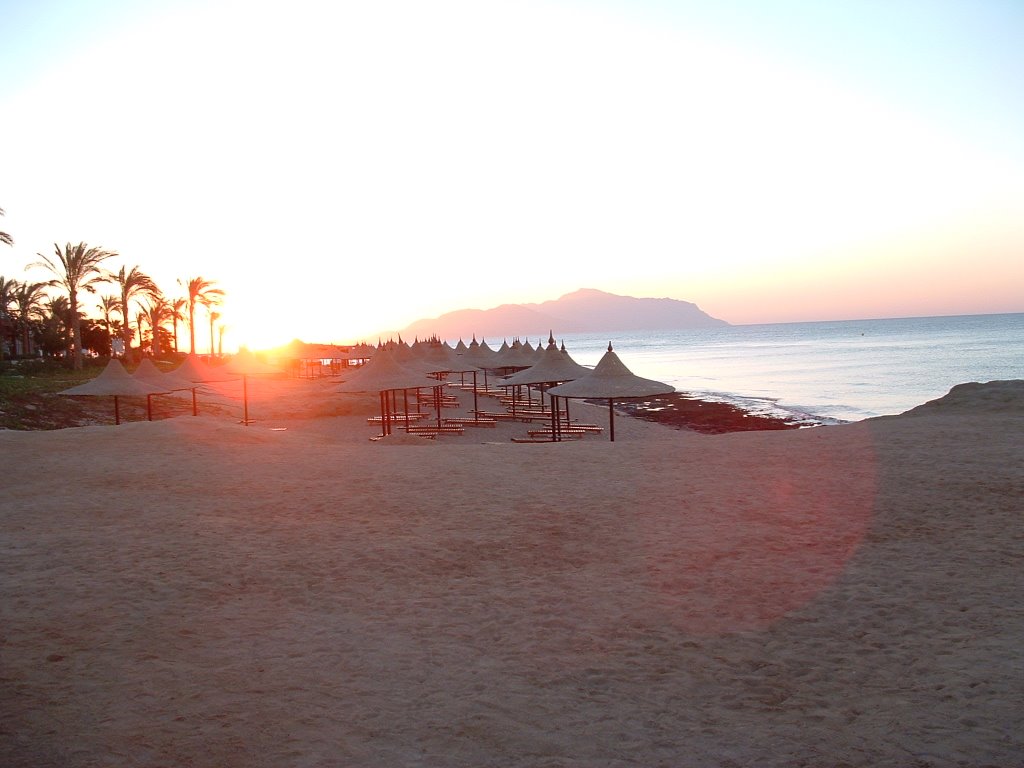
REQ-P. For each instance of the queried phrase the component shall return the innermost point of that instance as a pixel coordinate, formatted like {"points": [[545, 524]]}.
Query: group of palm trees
{"points": [[27, 309]]}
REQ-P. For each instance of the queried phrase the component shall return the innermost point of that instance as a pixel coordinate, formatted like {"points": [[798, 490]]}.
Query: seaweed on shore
{"points": [[711, 418]]}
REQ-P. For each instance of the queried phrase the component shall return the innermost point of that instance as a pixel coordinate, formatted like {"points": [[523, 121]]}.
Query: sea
{"points": [[830, 372]]}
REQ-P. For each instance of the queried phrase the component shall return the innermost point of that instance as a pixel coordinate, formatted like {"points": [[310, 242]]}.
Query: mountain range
{"points": [[584, 311]]}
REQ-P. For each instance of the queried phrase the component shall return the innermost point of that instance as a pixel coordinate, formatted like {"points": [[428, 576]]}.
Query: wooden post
{"points": [[245, 400]]}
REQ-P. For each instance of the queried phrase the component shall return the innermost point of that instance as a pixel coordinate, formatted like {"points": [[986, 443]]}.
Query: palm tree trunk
{"points": [[76, 330], [126, 330]]}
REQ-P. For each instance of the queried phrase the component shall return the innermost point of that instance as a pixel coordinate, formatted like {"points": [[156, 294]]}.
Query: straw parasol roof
{"points": [[384, 373], [611, 380], [481, 355], [245, 363], [174, 382], [115, 381], [195, 370], [514, 356], [553, 366], [148, 372], [438, 358]]}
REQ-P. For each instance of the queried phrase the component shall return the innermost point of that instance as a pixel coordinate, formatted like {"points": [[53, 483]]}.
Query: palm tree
{"points": [[77, 269], [176, 317], [200, 291], [28, 298], [56, 324], [214, 316], [140, 321], [157, 312], [4, 237], [107, 305], [132, 283], [7, 288]]}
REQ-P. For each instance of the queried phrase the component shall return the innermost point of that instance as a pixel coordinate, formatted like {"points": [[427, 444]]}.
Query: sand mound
{"points": [[974, 397]]}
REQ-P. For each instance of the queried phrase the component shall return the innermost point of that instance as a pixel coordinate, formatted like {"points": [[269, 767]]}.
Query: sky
{"points": [[342, 169]]}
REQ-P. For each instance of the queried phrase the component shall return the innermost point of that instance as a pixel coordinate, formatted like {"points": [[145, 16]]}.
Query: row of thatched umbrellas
{"points": [[400, 367], [553, 372], [148, 380]]}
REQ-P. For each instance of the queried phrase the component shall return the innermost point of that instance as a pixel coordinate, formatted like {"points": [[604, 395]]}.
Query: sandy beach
{"points": [[195, 592]]}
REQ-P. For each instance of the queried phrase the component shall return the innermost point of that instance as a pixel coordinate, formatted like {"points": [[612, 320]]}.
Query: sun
{"points": [[257, 331], [241, 321]]}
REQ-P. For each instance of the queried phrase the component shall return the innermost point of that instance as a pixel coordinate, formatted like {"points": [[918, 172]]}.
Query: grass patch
{"points": [[40, 377], [29, 399]]}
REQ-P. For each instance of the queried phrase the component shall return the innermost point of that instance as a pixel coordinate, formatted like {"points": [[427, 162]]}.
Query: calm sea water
{"points": [[835, 371]]}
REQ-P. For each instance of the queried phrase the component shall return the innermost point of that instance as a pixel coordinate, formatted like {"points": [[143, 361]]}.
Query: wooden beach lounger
{"points": [[421, 429], [469, 421], [398, 419]]}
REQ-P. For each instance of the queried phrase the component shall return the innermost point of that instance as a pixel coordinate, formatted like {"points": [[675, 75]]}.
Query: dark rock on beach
{"points": [[685, 412]]}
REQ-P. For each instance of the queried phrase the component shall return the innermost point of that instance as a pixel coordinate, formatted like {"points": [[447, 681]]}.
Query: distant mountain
{"points": [[583, 311]]}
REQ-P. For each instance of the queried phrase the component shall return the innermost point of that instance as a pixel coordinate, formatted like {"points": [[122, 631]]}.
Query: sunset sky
{"points": [[342, 169]]}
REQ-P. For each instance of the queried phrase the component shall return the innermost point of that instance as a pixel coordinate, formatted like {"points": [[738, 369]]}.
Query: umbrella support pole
{"points": [[245, 400], [117, 411], [611, 419], [556, 427], [476, 408]]}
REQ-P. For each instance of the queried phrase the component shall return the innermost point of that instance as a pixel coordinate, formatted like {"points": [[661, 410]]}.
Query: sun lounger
{"points": [[420, 429], [548, 439], [397, 419], [469, 421], [563, 432]]}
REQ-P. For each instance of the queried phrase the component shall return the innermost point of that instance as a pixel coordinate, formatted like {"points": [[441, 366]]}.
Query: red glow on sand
{"points": [[771, 537]]}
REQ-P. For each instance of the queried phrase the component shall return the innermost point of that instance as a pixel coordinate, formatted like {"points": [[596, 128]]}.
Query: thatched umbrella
{"points": [[555, 367], [195, 370], [173, 381], [383, 374], [246, 364], [481, 356], [114, 381], [611, 380], [440, 360]]}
